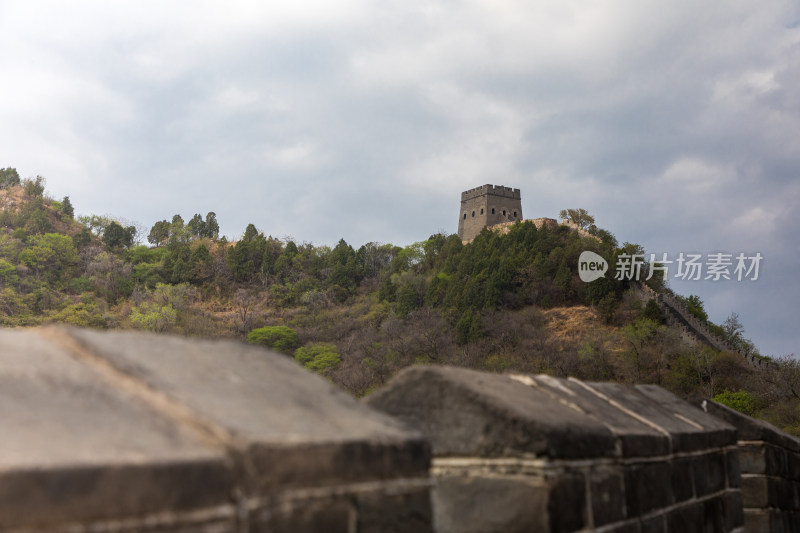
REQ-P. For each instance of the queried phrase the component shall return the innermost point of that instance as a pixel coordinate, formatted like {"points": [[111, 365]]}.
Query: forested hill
{"points": [[505, 302]]}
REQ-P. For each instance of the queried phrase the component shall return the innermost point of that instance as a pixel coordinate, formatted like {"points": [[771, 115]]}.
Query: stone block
{"points": [[732, 504], [783, 493], [607, 488], [648, 487], [709, 473], [794, 465], [733, 468], [776, 462], [779, 522], [752, 458], [408, 512], [121, 431], [654, 524], [755, 491], [689, 518], [795, 487], [480, 504], [713, 515], [794, 521], [758, 521], [567, 502], [474, 414], [310, 517], [683, 478]]}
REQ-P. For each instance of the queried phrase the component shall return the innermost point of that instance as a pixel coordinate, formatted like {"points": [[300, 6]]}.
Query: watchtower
{"points": [[487, 205]]}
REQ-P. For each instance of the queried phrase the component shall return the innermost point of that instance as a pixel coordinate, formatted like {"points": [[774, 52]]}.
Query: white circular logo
{"points": [[591, 266]]}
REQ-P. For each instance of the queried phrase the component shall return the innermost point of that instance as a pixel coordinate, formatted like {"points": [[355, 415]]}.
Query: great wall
{"points": [[131, 432], [474, 215], [679, 317]]}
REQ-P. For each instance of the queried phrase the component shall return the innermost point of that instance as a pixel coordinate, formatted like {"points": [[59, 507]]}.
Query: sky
{"points": [[676, 124]]}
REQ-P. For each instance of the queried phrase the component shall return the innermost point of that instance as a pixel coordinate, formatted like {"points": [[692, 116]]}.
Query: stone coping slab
{"points": [[100, 426], [470, 413], [751, 429]]}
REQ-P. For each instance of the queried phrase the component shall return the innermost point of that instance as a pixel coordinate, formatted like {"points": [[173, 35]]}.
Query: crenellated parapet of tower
{"points": [[488, 189]]}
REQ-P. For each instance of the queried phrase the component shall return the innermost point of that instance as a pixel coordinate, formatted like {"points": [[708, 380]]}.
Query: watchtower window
{"points": [[481, 210], [473, 213], [465, 216], [515, 214], [493, 210], [504, 212]]}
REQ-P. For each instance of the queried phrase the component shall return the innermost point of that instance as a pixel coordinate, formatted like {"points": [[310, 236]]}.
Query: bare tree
{"points": [[243, 302]]}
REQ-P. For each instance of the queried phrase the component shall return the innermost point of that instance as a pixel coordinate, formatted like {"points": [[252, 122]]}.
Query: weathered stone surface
{"points": [[478, 504], [264, 404], [758, 521], [750, 429], [683, 478], [688, 518], [690, 428], [756, 491], [469, 413], [407, 512], [607, 488], [654, 524], [648, 486], [661, 465], [567, 503], [733, 467], [709, 473], [637, 438], [75, 448], [122, 431], [734, 513], [794, 465]]}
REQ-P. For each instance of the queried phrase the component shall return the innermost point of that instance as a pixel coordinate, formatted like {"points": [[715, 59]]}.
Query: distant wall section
{"points": [[487, 205]]}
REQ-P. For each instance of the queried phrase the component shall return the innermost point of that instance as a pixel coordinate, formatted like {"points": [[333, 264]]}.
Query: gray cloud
{"points": [[677, 125]]}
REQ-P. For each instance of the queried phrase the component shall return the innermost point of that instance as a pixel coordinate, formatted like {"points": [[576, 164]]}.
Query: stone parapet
{"points": [[536, 453], [769, 460], [129, 432]]}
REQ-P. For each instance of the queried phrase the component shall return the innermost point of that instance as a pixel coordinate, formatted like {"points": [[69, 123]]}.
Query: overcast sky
{"points": [[676, 124]]}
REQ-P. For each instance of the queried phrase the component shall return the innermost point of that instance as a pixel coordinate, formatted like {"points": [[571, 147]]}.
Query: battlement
{"points": [[491, 190]]}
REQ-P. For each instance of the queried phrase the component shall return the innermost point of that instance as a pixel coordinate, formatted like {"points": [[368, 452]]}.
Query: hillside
{"points": [[508, 301]]}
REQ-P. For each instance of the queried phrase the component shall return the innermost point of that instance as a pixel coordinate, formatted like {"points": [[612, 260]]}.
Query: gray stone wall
{"points": [[770, 464], [487, 205], [123, 432], [128, 432], [535, 453]]}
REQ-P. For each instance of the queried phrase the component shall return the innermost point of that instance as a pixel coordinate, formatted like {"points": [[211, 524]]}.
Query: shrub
{"points": [[154, 317], [742, 401], [281, 338], [653, 312], [34, 187], [318, 356]]}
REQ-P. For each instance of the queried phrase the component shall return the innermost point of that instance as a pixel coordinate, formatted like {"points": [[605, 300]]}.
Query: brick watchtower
{"points": [[487, 205]]}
